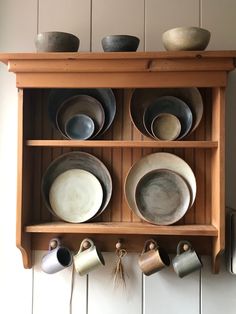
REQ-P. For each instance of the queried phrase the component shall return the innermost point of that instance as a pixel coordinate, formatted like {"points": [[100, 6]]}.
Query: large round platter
{"points": [[154, 162], [77, 160]]}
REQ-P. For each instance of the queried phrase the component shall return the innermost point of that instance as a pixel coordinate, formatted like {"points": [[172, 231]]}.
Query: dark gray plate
{"points": [[162, 196]]}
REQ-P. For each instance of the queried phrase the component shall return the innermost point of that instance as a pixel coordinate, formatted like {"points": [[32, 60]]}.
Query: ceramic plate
{"points": [[154, 162], [75, 195], [81, 104], [162, 197], [77, 160], [104, 95], [142, 97], [172, 105]]}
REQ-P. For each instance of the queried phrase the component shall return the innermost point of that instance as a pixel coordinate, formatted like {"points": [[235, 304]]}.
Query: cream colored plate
{"points": [[76, 195], [157, 161]]}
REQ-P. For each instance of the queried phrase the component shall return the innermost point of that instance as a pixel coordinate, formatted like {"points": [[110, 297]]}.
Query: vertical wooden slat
{"points": [[117, 160], [36, 107], [218, 173], [71, 16], [127, 154], [162, 15], [200, 175], [117, 17], [23, 241]]}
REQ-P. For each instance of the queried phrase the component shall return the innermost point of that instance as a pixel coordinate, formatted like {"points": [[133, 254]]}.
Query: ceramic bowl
{"points": [[79, 127], [56, 42], [80, 107], [165, 126], [162, 197], [120, 43], [142, 97], [172, 105], [186, 38], [77, 160], [103, 95], [75, 195], [154, 162]]}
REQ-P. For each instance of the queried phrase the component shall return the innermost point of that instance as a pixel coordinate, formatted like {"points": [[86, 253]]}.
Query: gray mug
{"points": [[186, 261], [57, 258]]}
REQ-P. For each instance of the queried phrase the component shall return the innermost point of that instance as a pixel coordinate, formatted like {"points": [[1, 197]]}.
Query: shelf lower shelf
{"points": [[124, 143], [123, 228]]}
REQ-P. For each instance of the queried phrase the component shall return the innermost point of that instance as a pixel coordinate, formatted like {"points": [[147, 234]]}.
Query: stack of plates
{"points": [[82, 113], [76, 187], [166, 113], [160, 188]]}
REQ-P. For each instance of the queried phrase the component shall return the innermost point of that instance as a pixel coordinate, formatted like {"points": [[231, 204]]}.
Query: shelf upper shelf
{"points": [[142, 69], [123, 228], [125, 144]]}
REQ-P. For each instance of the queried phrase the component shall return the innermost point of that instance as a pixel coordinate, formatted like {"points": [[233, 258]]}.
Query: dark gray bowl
{"points": [[56, 42], [120, 43]]}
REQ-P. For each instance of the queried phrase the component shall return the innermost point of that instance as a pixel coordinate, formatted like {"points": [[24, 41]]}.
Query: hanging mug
{"points": [[153, 258], [87, 259], [57, 258], [186, 261]]}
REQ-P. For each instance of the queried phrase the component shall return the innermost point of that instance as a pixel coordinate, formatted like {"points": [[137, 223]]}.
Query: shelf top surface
{"points": [[4, 57]]}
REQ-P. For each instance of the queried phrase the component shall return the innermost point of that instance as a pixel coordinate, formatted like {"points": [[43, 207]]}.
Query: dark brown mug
{"points": [[153, 258]]}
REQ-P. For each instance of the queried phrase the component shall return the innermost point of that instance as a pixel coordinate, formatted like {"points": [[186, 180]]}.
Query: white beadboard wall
{"points": [[32, 291]]}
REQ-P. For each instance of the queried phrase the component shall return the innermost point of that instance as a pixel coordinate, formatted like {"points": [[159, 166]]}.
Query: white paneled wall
{"points": [[33, 291]]}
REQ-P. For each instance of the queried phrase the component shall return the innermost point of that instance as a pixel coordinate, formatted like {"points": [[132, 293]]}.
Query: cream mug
{"points": [[153, 258], [87, 259], [57, 258]]}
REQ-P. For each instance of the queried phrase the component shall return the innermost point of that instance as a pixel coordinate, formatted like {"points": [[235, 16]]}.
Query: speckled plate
{"points": [[162, 197], [75, 195], [154, 162]]}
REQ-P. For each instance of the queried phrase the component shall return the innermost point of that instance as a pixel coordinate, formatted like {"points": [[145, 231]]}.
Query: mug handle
{"points": [[82, 247], [181, 245], [147, 243], [51, 244]]}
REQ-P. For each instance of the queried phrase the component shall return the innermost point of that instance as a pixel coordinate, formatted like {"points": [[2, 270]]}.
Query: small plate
{"points": [[162, 197], [75, 195]]}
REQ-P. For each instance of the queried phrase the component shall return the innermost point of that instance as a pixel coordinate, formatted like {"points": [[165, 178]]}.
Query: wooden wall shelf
{"points": [[39, 143]]}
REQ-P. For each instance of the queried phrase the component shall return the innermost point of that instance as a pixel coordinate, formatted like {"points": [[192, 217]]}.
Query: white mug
{"points": [[57, 258], [88, 259]]}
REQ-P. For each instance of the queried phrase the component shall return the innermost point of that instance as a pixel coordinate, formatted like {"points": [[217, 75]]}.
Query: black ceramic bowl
{"points": [[120, 43], [56, 42]]}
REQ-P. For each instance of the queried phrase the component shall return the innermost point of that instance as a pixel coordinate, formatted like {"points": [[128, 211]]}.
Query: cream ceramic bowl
{"points": [[186, 38]]}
